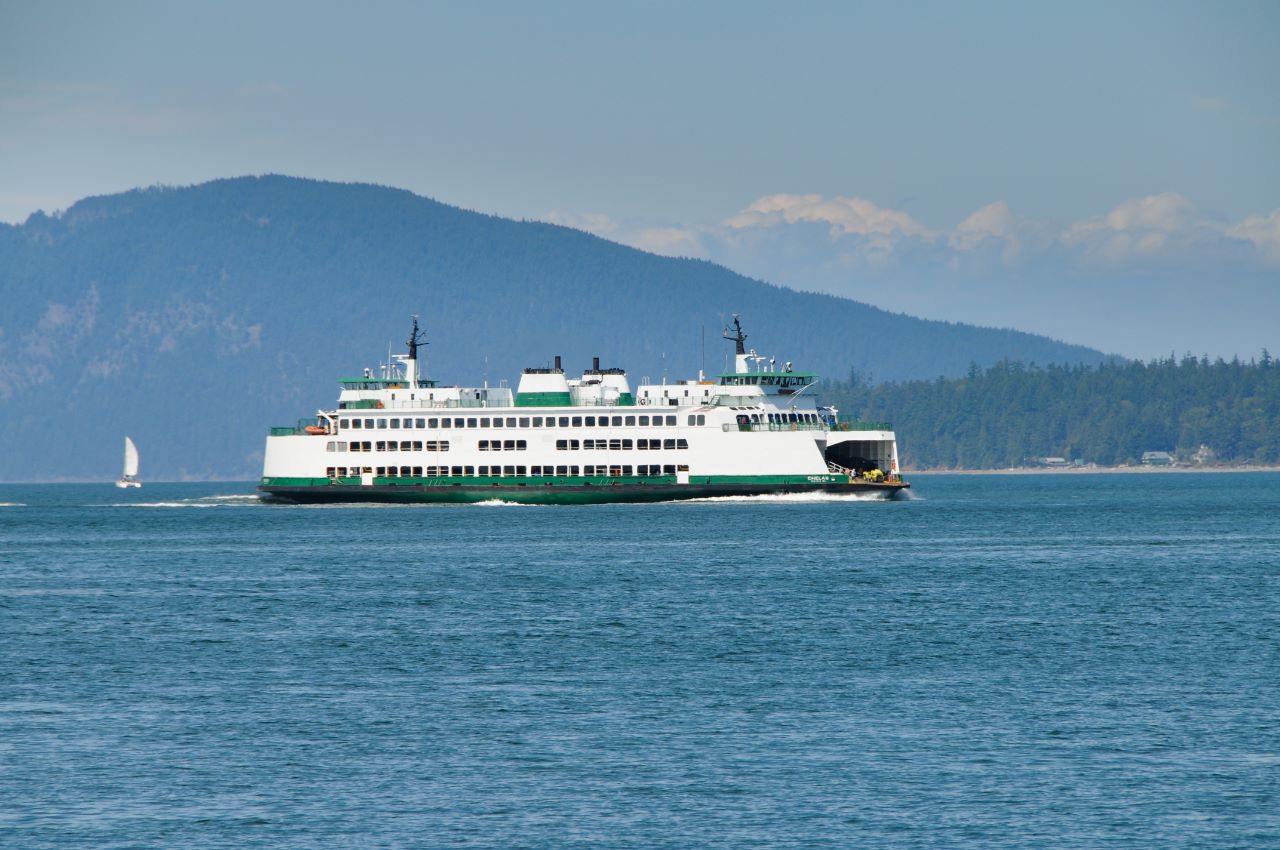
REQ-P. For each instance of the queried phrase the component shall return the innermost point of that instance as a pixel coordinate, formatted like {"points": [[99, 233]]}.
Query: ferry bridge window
{"points": [[671, 420], [417, 472], [331, 446], [395, 423], [573, 470], [668, 444], [668, 469], [468, 470], [524, 421], [472, 422], [577, 421], [562, 470], [591, 422], [342, 446], [508, 470], [497, 421], [416, 446], [682, 444], [626, 470], [509, 445], [420, 423], [630, 420], [564, 421], [511, 422], [456, 470], [433, 423], [617, 421], [484, 422], [381, 446], [445, 423], [537, 421], [368, 423], [626, 445], [644, 420], [551, 422], [382, 423], [604, 421], [351, 423]]}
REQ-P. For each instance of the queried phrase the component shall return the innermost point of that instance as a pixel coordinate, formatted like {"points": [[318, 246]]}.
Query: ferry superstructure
{"points": [[397, 436]]}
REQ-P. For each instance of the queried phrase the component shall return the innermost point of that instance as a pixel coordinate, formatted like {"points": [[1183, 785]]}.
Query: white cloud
{"points": [[793, 238], [844, 215], [668, 241], [1263, 231]]}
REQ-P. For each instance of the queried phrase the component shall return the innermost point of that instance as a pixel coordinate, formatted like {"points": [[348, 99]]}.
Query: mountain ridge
{"points": [[252, 295]]}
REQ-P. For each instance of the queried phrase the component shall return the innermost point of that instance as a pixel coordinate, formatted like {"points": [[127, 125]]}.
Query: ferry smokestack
{"points": [[595, 364], [558, 369]]}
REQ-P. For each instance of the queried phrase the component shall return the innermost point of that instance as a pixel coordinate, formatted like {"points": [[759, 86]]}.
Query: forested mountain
{"points": [[193, 318], [1010, 414]]}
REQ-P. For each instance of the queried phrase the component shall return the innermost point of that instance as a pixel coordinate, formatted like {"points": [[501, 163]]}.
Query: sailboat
{"points": [[130, 476]]}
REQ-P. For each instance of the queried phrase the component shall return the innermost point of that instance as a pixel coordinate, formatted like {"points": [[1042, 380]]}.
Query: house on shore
{"points": [[1158, 459]]}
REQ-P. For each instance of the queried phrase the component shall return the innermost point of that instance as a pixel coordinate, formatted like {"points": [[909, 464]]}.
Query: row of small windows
{"points": [[620, 445], [387, 446], [778, 418], [643, 421], [503, 445], [607, 470]]}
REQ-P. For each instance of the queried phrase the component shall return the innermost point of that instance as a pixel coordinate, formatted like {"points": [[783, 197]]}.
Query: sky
{"points": [[1104, 173]]}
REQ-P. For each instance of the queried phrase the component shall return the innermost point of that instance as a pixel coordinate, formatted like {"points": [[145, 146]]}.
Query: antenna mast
{"points": [[416, 338], [737, 337]]}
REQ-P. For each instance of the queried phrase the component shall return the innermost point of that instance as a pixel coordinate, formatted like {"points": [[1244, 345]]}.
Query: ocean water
{"points": [[999, 662]]}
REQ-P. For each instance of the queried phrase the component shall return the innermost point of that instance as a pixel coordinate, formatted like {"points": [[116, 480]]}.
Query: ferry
{"points": [[398, 436]]}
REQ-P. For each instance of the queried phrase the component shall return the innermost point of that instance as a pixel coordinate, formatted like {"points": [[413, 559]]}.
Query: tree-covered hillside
{"points": [[1011, 415], [193, 318]]}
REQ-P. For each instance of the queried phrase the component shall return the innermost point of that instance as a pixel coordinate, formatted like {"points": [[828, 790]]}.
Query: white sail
{"points": [[130, 458]]}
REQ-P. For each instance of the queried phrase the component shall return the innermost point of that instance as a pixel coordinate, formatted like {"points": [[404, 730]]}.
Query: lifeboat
{"points": [[314, 429]]}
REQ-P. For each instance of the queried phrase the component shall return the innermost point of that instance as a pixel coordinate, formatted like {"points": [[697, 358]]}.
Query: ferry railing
{"points": [[852, 423], [773, 426], [842, 425]]}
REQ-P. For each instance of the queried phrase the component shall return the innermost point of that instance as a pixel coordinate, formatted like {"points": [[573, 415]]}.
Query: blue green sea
{"points": [[1070, 660]]}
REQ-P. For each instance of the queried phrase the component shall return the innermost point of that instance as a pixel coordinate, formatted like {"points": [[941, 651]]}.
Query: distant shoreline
{"points": [[1096, 470]]}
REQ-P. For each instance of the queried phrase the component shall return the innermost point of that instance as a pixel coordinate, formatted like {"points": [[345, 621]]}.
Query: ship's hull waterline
{"points": [[561, 494]]}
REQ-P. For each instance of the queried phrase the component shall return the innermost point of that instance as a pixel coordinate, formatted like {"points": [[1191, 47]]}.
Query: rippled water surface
{"points": [[1002, 661]]}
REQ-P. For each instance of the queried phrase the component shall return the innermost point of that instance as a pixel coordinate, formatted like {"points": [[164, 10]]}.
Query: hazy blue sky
{"points": [[1049, 168]]}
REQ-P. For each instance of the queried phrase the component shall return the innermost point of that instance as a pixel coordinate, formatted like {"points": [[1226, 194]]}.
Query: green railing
{"points": [[852, 423], [774, 426]]}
